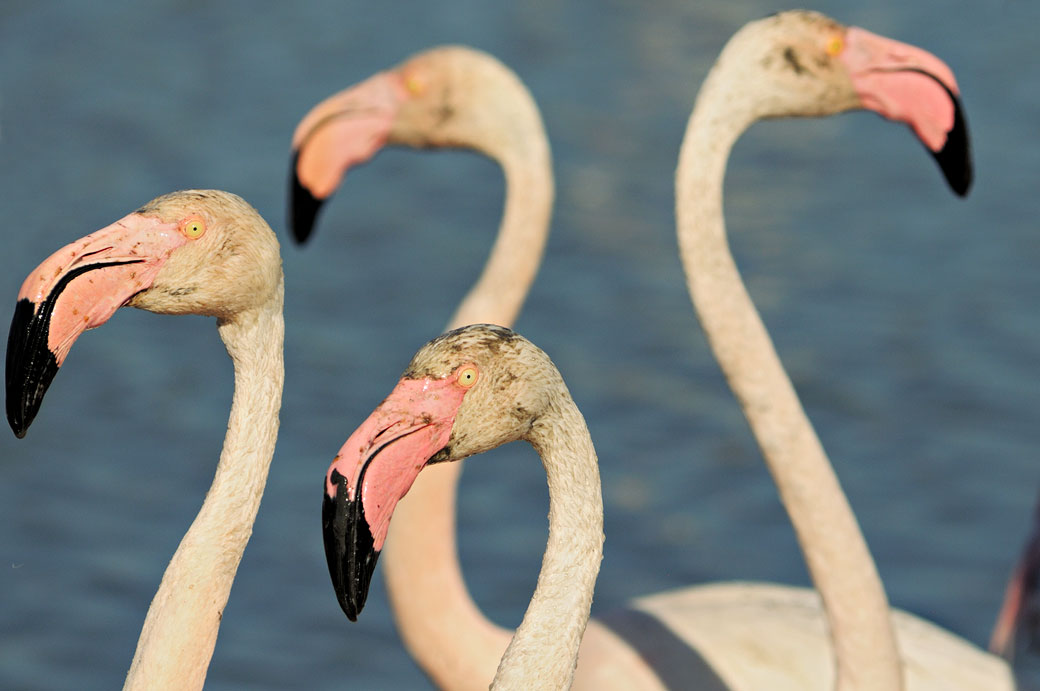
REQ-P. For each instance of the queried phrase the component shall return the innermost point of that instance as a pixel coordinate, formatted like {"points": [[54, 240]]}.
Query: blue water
{"points": [[907, 318]]}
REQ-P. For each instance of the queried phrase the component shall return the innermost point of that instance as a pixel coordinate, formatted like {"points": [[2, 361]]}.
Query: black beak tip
{"points": [[348, 548], [15, 413], [31, 365], [955, 158], [303, 206]]}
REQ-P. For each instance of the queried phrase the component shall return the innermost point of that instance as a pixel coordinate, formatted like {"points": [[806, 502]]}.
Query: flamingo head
{"points": [[465, 392], [446, 96], [190, 252], [817, 66]]}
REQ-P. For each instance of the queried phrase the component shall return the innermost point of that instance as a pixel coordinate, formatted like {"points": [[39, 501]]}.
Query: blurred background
{"points": [[906, 317]]}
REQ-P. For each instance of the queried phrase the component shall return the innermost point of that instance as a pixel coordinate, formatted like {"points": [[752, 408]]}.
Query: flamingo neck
{"points": [[523, 153], [836, 554], [544, 651], [180, 630], [440, 624]]}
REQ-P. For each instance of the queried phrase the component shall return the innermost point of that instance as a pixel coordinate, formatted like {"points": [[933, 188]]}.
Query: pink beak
{"points": [[372, 471], [77, 288], [343, 130], [907, 84]]}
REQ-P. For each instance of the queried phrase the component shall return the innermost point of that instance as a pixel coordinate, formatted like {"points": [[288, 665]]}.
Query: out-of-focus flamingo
{"points": [[466, 392], [1020, 612], [737, 635], [798, 64], [191, 252], [450, 96]]}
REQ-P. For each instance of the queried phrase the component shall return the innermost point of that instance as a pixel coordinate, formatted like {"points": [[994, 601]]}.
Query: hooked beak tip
{"points": [[955, 158], [303, 206], [349, 548], [31, 365]]}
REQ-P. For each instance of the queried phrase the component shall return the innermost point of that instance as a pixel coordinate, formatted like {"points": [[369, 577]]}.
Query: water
{"points": [[906, 317]]}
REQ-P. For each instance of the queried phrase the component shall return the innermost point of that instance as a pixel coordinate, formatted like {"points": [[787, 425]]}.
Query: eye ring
{"points": [[467, 376], [835, 45], [193, 227], [414, 85]]}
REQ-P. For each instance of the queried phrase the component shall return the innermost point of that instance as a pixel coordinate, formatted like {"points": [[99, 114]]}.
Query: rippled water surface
{"points": [[906, 317]]}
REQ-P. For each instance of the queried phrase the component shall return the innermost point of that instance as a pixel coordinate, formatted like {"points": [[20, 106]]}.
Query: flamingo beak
{"points": [[1017, 614], [303, 205], [954, 158], [373, 470], [907, 84], [343, 130], [77, 288]]}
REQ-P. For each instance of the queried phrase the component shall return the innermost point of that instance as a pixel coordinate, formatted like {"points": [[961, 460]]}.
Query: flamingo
{"points": [[190, 252], [463, 393], [725, 625], [791, 64], [449, 96], [1018, 613]]}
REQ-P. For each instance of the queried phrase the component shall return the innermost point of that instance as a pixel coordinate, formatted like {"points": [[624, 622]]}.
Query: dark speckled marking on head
{"points": [[445, 111], [491, 337], [226, 249], [791, 55], [156, 204], [792, 60], [506, 379]]}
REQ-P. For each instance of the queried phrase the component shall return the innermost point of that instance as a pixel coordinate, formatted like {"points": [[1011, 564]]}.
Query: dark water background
{"points": [[907, 318]]}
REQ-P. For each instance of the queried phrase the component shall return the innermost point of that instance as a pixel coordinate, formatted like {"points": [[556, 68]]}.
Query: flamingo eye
{"points": [[193, 228], [835, 45], [467, 376], [414, 85]]}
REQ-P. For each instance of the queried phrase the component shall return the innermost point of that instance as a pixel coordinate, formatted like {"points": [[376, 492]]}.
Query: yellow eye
{"points": [[413, 84], [835, 45], [193, 228], [467, 376]]}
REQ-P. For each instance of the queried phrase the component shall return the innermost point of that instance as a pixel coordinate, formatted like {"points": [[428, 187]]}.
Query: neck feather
{"points": [[835, 552], [441, 625], [544, 651], [180, 630], [499, 293]]}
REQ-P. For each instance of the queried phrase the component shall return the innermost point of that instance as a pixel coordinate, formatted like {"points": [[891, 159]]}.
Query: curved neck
{"points": [[523, 153], [180, 630], [445, 631], [835, 552], [544, 651]]}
